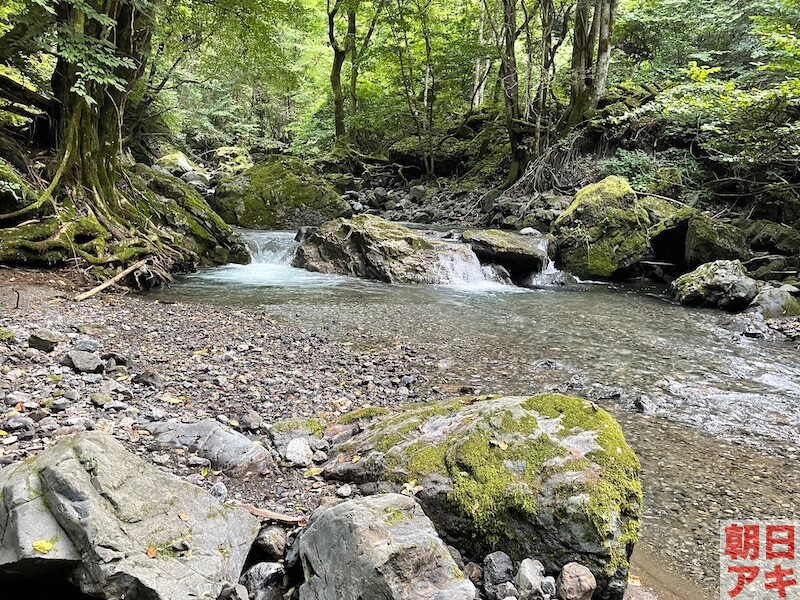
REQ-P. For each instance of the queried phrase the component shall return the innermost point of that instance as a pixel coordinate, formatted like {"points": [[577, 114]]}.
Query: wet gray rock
{"points": [[721, 284], [529, 579], [91, 509], [497, 571], [575, 582], [520, 254], [44, 340], [84, 362], [272, 541], [227, 450], [378, 547]]}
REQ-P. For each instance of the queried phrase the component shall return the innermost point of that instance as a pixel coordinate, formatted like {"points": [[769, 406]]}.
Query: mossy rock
{"points": [[709, 240], [604, 232], [232, 160], [776, 303], [768, 236], [549, 476], [282, 192], [722, 284], [176, 164], [373, 248]]}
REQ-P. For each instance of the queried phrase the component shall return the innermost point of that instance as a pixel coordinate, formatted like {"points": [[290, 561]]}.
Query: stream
{"points": [[713, 416]]}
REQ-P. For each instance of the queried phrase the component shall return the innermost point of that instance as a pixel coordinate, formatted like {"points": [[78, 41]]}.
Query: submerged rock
{"points": [[520, 254], [721, 284], [549, 476], [373, 248], [282, 192], [604, 232], [378, 547], [118, 527]]}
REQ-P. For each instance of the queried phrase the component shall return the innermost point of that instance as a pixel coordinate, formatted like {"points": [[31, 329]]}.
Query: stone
{"points": [[272, 542], [259, 578], [369, 247], [219, 491], [549, 476], [497, 568], [520, 254], [344, 491], [417, 192], [549, 586], [86, 345], [776, 303], [474, 572], [84, 362], [378, 547], [227, 450], [14, 398], [722, 284], [283, 432], [251, 420], [575, 582], [528, 580], [91, 510], [280, 192], [176, 164], [604, 232], [299, 453], [506, 590], [149, 378], [44, 340]]}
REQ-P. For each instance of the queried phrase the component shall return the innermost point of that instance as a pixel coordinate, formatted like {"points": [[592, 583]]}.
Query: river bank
{"points": [[219, 362]]}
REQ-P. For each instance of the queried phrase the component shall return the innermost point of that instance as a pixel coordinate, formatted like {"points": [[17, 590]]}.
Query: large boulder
{"points": [[767, 236], [520, 254], [176, 163], [721, 284], [117, 526], [373, 248], [777, 302], [281, 192], [549, 476], [378, 547], [232, 160], [604, 232]]}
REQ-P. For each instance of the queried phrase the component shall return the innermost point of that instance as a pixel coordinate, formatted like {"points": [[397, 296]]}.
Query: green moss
{"points": [[314, 426], [6, 336], [394, 516], [362, 414], [280, 193]]}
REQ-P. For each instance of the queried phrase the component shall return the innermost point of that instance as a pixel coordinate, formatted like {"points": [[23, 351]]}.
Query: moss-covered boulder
{"points": [[768, 236], [282, 192], [176, 163], [722, 284], [232, 160], [549, 476], [373, 248], [520, 254], [604, 232]]}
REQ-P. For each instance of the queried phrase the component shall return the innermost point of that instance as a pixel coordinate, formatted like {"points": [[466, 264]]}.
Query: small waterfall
{"points": [[460, 268], [549, 275], [271, 247]]}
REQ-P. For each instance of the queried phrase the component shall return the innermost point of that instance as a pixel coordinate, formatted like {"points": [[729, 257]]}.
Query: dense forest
{"points": [[697, 101]]}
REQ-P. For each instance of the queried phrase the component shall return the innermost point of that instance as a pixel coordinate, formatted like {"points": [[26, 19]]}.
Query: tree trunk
{"points": [[509, 78], [594, 25]]}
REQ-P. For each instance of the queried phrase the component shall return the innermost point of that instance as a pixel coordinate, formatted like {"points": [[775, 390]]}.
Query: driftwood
{"points": [[268, 515], [111, 281]]}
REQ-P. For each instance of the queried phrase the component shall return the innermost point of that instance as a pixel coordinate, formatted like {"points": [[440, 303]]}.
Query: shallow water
{"points": [[722, 435]]}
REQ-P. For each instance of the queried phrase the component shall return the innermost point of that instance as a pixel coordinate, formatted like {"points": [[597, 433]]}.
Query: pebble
{"points": [[344, 491], [219, 491]]}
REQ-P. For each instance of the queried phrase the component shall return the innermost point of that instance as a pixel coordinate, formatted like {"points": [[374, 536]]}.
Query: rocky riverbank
{"points": [[132, 369]]}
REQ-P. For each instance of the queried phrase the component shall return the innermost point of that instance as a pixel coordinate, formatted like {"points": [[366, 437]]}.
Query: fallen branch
{"points": [[111, 281], [268, 514]]}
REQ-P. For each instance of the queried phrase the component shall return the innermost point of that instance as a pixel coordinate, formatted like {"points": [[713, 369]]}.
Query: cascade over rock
{"points": [[373, 248], [520, 254]]}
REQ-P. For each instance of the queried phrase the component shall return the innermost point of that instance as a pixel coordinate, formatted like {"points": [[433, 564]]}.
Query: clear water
{"points": [[723, 434]]}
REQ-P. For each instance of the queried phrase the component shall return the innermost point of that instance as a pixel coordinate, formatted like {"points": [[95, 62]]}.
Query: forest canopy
{"points": [[489, 91]]}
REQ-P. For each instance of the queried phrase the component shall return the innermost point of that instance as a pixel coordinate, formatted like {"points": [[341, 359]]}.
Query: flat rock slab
{"points": [[227, 450], [378, 547], [119, 527]]}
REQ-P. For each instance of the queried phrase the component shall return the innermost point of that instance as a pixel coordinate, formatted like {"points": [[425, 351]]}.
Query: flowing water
{"points": [[721, 434]]}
